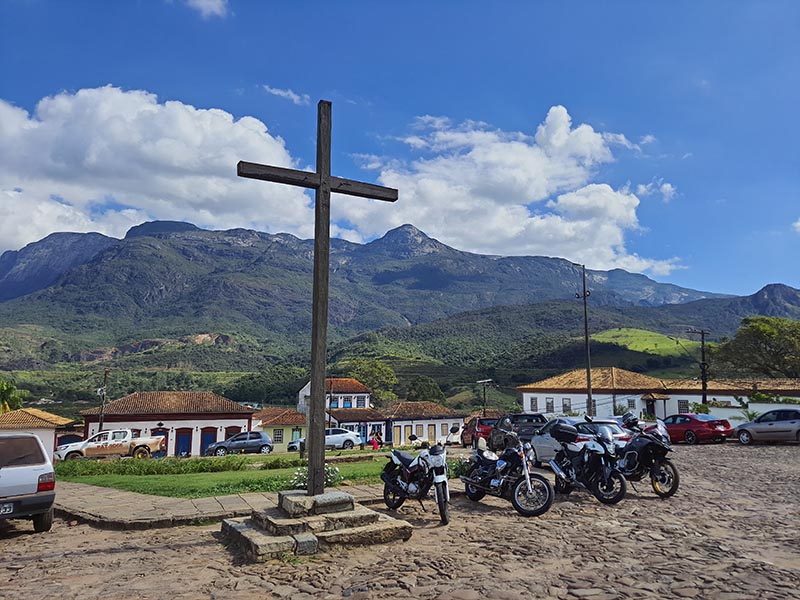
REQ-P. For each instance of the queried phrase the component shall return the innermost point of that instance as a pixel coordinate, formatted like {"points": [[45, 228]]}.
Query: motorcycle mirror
{"points": [[455, 429], [413, 438]]}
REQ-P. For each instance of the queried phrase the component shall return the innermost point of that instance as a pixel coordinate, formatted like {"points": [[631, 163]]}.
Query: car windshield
{"points": [[488, 422], [528, 419], [706, 418], [20, 451]]}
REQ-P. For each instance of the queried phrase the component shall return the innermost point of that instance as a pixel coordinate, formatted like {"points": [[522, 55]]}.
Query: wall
{"points": [[304, 398], [290, 432], [424, 424]]}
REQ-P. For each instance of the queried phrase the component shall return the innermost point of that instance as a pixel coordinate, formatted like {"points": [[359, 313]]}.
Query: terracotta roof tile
{"points": [[280, 416], [31, 418], [418, 410], [356, 415], [739, 387], [171, 403], [345, 385], [604, 379]]}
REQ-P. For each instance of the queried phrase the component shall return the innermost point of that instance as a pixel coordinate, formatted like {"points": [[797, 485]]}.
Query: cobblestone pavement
{"points": [[730, 533]]}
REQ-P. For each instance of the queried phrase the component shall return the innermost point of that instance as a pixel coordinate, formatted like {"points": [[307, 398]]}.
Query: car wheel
{"points": [[690, 437], [73, 456], [745, 437], [348, 445], [43, 522], [141, 452], [265, 449], [220, 451]]}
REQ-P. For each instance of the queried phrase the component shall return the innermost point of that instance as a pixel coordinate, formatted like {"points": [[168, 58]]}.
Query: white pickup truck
{"points": [[114, 442]]}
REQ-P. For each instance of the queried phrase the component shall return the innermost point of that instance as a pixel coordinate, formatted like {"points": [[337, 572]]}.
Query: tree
{"points": [[425, 388], [765, 345], [10, 396], [277, 384], [377, 376]]}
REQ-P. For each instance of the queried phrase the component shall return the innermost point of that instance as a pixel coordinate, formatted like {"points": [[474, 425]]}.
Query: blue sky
{"points": [[658, 137]]}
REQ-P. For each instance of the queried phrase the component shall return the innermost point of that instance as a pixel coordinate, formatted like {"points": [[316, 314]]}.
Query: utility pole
{"points": [[102, 393], [586, 293], [485, 382], [703, 364]]}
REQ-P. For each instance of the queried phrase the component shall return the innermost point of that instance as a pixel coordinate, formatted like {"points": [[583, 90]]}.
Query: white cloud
{"points": [[796, 226], [299, 99], [658, 186], [104, 159], [209, 8], [647, 139]]}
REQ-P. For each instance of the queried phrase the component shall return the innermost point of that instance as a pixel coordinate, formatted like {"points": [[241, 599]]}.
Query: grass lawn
{"points": [[198, 485]]}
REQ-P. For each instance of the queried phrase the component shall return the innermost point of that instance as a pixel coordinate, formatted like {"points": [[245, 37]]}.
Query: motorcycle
{"points": [[406, 476], [645, 455], [590, 467], [508, 476]]}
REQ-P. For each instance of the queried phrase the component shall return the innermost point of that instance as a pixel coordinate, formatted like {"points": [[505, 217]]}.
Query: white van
{"points": [[27, 480]]}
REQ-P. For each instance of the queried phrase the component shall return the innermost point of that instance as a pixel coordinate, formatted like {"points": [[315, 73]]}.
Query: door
{"points": [[396, 435], [432, 433], [786, 425], [161, 432], [96, 445], [231, 431], [118, 444], [764, 427], [183, 441], [254, 442], [208, 435], [237, 443]]}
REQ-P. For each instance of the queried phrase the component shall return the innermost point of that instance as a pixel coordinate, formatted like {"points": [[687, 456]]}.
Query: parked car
{"points": [[545, 445], [335, 437], [774, 426], [523, 424], [27, 480], [475, 429], [252, 442], [113, 442], [694, 428]]}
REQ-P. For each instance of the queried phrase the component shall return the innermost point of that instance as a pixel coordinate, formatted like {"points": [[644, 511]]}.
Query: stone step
{"points": [[386, 529], [276, 522], [297, 503]]}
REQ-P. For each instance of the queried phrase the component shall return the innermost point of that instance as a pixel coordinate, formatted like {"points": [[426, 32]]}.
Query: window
{"points": [[631, 403], [683, 406], [239, 438], [296, 433], [419, 431], [335, 403], [566, 405], [361, 402], [277, 435], [548, 402], [118, 435], [136, 432], [534, 404], [768, 417], [100, 437], [348, 402], [20, 451], [669, 420], [444, 429]]}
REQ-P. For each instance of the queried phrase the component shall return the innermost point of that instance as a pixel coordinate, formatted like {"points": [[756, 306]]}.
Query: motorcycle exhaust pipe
{"points": [[557, 470]]}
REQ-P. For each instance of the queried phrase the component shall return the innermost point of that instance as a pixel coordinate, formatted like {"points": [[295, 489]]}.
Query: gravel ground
{"points": [[730, 533]]}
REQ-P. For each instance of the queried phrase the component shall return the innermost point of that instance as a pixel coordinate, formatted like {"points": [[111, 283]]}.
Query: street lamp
{"points": [[485, 382], [585, 295]]}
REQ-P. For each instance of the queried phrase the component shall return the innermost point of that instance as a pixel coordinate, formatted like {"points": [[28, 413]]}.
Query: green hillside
{"points": [[650, 342]]}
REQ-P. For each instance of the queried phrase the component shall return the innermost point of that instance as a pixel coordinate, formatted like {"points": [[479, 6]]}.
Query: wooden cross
{"points": [[324, 184]]}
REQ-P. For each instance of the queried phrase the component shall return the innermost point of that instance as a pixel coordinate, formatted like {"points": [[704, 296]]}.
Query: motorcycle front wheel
{"points": [[612, 490], [536, 502], [664, 478], [392, 499], [441, 500]]}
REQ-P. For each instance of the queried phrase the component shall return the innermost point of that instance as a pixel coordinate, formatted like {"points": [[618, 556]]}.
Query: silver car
{"points": [[774, 426], [334, 438], [545, 446]]}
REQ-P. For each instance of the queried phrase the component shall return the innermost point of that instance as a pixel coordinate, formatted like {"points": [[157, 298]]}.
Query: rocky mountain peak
{"points": [[406, 241], [159, 228]]}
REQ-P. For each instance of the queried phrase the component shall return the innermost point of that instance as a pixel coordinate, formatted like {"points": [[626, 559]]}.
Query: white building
{"points": [[190, 421], [44, 425], [340, 392], [644, 395], [429, 421]]}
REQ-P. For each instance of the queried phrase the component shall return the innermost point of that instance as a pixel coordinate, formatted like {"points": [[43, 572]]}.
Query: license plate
{"points": [[6, 508]]}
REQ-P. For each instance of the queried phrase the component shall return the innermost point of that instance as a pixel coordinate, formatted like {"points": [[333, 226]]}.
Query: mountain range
{"points": [[171, 292]]}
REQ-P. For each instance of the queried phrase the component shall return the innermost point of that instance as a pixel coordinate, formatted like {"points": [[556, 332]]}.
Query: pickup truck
{"points": [[114, 442]]}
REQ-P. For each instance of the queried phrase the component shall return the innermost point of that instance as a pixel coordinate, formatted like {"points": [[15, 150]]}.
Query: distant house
{"points": [[642, 394], [282, 424], [340, 392], [429, 421], [49, 428], [190, 421], [364, 421]]}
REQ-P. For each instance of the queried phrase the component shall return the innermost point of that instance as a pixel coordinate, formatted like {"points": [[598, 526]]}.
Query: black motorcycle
{"points": [[508, 476], [590, 466], [645, 455]]}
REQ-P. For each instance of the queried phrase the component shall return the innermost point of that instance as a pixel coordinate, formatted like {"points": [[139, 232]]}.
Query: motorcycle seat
{"points": [[404, 457]]}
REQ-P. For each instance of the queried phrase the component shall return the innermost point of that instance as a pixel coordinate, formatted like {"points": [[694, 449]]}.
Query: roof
{"points": [[170, 403], [280, 416], [418, 410], [604, 379], [738, 387], [345, 385], [491, 413], [31, 418], [654, 396], [356, 415]]}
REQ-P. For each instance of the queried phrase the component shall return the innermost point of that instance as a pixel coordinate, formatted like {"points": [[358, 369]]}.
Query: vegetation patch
{"points": [[157, 466]]}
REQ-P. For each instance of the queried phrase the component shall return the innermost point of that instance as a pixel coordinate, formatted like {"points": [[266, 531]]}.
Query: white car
{"points": [[334, 438], [27, 480]]}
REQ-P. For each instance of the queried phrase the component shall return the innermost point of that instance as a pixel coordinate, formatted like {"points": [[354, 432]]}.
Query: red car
{"points": [[478, 427], [693, 428]]}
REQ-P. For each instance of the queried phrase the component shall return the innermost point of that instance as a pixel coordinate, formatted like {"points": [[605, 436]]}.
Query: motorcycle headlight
{"points": [[437, 460]]}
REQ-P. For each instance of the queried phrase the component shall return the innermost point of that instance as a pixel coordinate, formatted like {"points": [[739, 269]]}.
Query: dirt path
{"points": [[730, 533]]}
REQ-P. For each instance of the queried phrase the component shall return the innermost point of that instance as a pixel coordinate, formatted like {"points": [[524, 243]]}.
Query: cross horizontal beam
{"points": [[310, 180]]}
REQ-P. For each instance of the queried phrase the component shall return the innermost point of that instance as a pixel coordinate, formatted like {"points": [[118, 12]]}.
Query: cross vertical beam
{"points": [[319, 323]]}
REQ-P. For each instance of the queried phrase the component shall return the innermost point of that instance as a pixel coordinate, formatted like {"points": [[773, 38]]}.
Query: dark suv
{"points": [[524, 425], [476, 428]]}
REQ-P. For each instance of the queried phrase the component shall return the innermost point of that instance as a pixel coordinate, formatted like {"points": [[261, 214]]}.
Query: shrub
{"points": [[699, 408], [156, 466], [457, 468], [283, 463], [299, 480]]}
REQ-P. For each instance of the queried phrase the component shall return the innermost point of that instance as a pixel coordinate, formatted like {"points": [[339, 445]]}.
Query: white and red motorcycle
{"points": [[408, 476]]}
